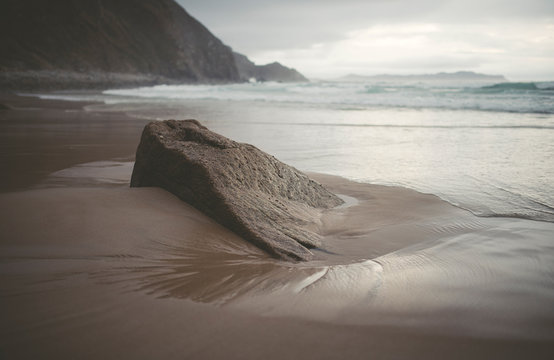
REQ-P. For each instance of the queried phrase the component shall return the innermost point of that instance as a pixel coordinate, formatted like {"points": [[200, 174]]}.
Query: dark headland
{"points": [[71, 44]]}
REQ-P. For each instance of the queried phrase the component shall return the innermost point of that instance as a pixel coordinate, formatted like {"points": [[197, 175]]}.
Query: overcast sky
{"points": [[328, 38]]}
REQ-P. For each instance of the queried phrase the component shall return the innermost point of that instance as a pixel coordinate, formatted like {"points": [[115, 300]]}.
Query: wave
{"points": [[512, 86], [504, 97], [520, 86], [531, 98]]}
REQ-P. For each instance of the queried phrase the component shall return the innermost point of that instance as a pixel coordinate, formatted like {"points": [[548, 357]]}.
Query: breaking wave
{"points": [[503, 97]]}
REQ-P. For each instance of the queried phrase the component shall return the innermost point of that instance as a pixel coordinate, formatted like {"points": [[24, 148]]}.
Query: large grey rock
{"points": [[260, 198]]}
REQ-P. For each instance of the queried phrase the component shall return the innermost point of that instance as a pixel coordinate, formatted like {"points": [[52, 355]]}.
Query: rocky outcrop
{"points": [[269, 72], [124, 42], [250, 192]]}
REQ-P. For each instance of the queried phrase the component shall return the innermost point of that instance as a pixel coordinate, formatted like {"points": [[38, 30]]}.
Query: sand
{"points": [[39, 137], [91, 268]]}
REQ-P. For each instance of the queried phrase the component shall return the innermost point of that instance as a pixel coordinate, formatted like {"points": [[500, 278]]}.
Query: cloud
{"points": [[512, 49], [267, 24], [331, 37]]}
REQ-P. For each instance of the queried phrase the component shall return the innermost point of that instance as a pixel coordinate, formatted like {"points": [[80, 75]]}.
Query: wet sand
{"points": [[91, 268], [38, 137]]}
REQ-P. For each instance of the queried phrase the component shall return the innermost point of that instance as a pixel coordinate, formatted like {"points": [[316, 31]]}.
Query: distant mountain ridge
{"points": [[442, 76], [99, 43], [269, 72]]}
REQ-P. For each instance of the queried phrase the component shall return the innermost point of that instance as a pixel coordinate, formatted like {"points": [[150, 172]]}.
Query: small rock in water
{"points": [[250, 192]]}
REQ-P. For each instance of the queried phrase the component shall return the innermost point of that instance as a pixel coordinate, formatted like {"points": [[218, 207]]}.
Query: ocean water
{"points": [[503, 97], [488, 148]]}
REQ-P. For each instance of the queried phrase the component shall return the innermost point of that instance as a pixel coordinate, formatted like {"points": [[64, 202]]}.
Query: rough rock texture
{"points": [[155, 39], [269, 72], [260, 198]]}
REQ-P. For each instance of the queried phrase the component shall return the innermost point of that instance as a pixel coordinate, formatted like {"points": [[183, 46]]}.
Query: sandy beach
{"points": [[91, 268], [40, 137]]}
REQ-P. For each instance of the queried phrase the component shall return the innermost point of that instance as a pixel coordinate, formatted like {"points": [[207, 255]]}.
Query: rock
{"points": [[269, 72], [250, 192]]}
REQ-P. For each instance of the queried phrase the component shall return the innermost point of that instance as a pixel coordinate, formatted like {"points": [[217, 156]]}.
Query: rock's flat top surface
{"points": [[260, 198]]}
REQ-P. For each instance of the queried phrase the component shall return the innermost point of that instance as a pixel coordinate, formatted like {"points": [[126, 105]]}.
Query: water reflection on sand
{"points": [[392, 256]]}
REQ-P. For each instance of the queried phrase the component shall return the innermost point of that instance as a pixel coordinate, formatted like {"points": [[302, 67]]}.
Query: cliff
{"points": [[270, 72], [96, 43]]}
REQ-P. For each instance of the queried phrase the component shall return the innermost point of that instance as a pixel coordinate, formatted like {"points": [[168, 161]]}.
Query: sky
{"points": [[332, 38]]}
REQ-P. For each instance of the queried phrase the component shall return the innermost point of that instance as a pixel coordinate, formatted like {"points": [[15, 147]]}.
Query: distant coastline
{"points": [[442, 76]]}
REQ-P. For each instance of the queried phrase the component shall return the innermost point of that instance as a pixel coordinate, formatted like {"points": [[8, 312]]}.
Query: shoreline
{"points": [[95, 268], [134, 121]]}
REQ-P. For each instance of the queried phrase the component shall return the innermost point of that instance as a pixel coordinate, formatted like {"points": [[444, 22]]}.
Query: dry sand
{"points": [[91, 268]]}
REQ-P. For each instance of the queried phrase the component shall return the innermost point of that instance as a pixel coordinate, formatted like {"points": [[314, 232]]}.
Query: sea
{"points": [[484, 147]]}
